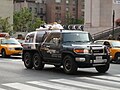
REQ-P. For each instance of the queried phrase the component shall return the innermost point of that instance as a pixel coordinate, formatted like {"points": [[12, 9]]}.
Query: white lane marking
{"points": [[22, 86], [117, 75], [108, 78], [99, 80], [83, 84], [10, 60], [54, 85], [2, 89]]}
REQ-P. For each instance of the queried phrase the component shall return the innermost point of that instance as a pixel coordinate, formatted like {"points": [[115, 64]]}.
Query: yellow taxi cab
{"points": [[114, 48], [10, 46]]}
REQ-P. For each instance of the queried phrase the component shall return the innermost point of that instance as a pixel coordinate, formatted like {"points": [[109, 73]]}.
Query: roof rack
{"points": [[54, 26]]}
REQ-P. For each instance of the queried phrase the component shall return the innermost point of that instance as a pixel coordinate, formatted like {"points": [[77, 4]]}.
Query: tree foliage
{"points": [[25, 21], [21, 19], [36, 23], [71, 20], [5, 26]]}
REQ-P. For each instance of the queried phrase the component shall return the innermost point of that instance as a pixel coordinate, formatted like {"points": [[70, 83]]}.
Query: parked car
{"points": [[10, 46], [114, 48]]}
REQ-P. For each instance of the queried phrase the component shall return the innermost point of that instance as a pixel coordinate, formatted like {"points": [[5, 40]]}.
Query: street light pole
{"points": [[113, 22]]}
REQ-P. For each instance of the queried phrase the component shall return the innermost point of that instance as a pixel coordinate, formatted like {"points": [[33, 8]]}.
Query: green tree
{"points": [[68, 18], [71, 20], [5, 25], [36, 23], [79, 21], [24, 21]]}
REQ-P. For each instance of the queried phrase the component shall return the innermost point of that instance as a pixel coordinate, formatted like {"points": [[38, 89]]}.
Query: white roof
{"points": [[51, 27]]}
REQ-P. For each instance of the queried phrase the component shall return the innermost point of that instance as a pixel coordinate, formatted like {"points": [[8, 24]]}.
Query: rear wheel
{"points": [[37, 62], [27, 60], [3, 53], [102, 69], [69, 65]]}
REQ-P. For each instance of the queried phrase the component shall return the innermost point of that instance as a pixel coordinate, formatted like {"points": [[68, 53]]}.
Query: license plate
{"points": [[98, 57], [118, 58]]}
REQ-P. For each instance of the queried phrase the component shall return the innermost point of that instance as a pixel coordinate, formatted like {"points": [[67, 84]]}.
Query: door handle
{"points": [[47, 46]]}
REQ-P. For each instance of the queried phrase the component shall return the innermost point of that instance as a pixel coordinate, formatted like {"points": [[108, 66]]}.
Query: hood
{"points": [[12, 46], [86, 45]]}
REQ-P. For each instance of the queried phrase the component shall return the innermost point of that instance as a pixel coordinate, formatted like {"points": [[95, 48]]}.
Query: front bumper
{"points": [[92, 60], [14, 52]]}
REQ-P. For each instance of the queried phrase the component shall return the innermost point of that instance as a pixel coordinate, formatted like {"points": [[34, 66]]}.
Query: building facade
{"points": [[6, 9], [60, 10], [99, 13], [53, 10], [37, 7]]}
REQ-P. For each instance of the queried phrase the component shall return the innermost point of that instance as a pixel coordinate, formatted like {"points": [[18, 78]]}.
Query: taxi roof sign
{"points": [[3, 34]]}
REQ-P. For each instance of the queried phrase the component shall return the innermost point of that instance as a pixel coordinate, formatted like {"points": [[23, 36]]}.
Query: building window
{"points": [[67, 9], [58, 8], [35, 10], [41, 10], [67, 1], [73, 9], [30, 8], [74, 2], [58, 1]]}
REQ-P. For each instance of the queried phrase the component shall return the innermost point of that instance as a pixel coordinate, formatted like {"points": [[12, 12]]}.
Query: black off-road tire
{"points": [[102, 69], [69, 65], [28, 60], [37, 62]]}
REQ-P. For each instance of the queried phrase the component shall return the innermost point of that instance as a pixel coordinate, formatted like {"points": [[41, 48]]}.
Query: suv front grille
{"points": [[99, 50]]}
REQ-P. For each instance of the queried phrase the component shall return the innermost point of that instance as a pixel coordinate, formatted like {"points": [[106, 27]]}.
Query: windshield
{"points": [[10, 41], [116, 43], [76, 37]]}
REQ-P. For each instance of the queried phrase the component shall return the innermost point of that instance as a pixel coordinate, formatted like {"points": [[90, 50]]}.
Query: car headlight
{"points": [[85, 51], [11, 49]]}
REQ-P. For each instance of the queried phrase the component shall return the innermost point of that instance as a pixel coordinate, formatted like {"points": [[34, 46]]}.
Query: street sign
{"points": [[116, 1]]}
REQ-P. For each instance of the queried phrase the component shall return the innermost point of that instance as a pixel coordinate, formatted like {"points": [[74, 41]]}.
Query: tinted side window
{"points": [[51, 38], [39, 36]]}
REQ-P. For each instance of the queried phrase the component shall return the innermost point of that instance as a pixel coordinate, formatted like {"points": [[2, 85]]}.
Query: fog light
{"points": [[80, 59]]}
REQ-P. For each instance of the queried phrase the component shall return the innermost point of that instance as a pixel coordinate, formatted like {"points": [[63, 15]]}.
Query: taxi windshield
{"points": [[115, 44], [10, 41]]}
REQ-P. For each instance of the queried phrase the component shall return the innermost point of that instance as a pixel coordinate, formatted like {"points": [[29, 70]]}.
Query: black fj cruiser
{"points": [[71, 49]]}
